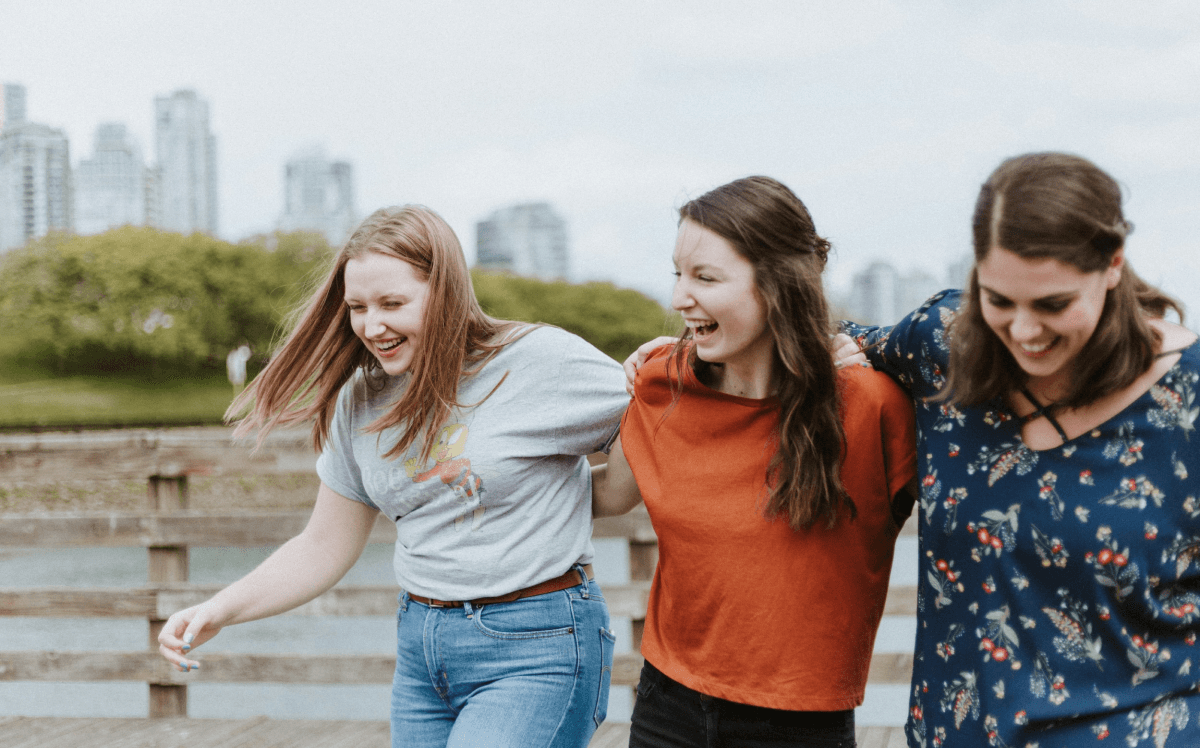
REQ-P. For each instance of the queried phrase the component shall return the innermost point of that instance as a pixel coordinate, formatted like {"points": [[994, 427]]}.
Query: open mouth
{"points": [[391, 345], [1039, 350], [700, 332]]}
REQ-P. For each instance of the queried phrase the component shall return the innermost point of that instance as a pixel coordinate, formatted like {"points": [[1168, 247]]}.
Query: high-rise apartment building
{"points": [[12, 105], [110, 187], [319, 196], [527, 239], [187, 164], [35, 183]]}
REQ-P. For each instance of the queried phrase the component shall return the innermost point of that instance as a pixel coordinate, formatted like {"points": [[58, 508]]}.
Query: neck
{"points": [[749, 382]]}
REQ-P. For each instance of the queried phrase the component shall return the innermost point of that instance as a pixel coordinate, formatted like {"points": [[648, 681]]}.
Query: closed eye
{"points": [[1054, 306]]}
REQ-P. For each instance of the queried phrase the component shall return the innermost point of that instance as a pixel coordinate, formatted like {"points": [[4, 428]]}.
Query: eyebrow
{"points": [[1063, 296]]}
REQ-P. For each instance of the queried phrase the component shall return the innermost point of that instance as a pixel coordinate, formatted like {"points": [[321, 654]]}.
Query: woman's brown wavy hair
{"points": [[768, 225], [321, 352], [1063, 207]]}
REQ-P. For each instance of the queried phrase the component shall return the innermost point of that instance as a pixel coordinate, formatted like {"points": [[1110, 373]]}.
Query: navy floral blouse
{"points": [[1059, 590]]}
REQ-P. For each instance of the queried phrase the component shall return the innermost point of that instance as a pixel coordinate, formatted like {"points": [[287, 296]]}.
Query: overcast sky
{"points": [[883, 116]]}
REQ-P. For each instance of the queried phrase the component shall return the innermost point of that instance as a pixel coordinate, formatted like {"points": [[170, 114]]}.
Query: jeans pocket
{"points": [[607, 642], [648, 680], [528, 618]]}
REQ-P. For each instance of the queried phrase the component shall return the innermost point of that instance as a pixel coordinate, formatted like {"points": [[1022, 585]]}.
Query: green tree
{"points": [[134, 298], [615, 320]]}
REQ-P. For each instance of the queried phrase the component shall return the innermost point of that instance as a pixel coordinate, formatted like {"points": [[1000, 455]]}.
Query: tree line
{"points": [[138, 299]]}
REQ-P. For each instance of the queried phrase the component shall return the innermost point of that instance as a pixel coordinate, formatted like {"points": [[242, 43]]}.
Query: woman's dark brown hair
{"points": [[770, 227], [1063, 207], [321, 352]]}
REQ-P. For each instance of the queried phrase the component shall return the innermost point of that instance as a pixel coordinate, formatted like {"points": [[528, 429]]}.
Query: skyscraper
{"points": [[110, 187], [12, 105], [527, 239], [35, 183], [187, 164], [319, 196]]}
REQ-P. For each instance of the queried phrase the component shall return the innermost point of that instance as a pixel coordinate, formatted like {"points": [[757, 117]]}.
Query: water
{"points": [[121, 567]]}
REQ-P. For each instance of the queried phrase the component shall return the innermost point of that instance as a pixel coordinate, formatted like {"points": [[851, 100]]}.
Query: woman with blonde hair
{"points": [[471, 434], [776, 485]]}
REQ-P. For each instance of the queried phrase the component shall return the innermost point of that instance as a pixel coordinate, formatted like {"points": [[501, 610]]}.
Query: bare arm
{"points": [[614, 490], [297, 572]]}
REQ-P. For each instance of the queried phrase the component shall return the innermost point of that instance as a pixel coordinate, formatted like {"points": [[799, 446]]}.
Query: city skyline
{"points": [[883, 116]]}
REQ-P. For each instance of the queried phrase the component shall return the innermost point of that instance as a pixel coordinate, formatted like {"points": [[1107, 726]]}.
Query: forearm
{"points": [[302, 568]]}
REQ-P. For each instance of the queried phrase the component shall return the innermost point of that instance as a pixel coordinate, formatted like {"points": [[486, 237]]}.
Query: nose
{"points": [[373, 325], [1025, 325], [680, 297]]}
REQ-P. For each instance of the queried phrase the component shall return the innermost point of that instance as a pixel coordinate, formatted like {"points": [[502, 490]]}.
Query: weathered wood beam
{"points": [[161, 601], [139, 529], [219, 667]]}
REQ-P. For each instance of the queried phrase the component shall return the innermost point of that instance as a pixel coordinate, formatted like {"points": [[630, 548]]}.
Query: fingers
{"points": [[180, 634], [638, 357], [846, 351]]}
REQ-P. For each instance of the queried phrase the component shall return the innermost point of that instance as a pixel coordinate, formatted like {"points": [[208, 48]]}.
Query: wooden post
{"points": [[643, 558], [167, 564]]}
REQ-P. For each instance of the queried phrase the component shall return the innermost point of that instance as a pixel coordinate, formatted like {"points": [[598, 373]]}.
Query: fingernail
{"points": [[196, 666], [182, 669], [189, 638], [186, 647]]}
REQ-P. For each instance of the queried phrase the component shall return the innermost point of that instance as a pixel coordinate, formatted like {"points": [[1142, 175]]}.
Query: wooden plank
{"points": [[66, 732], [161, 601], [258, 732], [137, 529], [901, 601], [139, 453], [634, 525], [217, 667]]}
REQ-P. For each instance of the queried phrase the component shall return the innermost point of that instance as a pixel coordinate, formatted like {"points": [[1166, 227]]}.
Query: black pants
{"points": [[668, 714]]}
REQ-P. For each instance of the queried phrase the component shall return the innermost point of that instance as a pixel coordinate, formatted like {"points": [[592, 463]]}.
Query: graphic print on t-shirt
{"points": [[454, 471]]}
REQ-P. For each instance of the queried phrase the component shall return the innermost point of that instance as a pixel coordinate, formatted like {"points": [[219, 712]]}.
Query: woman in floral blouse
{"points": [[1059, 593]]}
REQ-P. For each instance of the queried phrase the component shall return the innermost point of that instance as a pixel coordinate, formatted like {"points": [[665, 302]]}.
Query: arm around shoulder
{"points": [[614, 489]]}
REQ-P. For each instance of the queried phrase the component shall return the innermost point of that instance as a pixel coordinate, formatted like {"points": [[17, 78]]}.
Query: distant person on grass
{"points": [[776, 484], [471, 434]]}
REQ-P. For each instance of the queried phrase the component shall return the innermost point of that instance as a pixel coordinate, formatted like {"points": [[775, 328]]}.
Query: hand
{"points": [[184, 631], [638, 357], [846, 351]]}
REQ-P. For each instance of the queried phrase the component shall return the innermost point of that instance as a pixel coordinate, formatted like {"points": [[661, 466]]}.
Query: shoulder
{"points": [[548, 340], [864, 389], [1174, 337]]}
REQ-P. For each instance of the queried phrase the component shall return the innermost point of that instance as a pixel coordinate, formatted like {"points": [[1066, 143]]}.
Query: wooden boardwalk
{"points": [[183, 732]]}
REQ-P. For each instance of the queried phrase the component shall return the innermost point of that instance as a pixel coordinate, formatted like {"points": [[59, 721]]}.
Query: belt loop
{"points": [[404, 598], [583, 580], [468, 608]]}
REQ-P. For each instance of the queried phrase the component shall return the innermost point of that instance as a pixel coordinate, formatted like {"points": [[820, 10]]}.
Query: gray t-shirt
{"points": [[504, 500]]}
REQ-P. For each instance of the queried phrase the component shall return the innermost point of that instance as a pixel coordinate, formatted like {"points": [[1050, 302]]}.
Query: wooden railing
{"points": [[167, 529]]}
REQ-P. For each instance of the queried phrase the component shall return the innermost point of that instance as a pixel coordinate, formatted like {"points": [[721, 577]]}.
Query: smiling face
{"points": [[386, 298], [1043, 310], [715, 291]]}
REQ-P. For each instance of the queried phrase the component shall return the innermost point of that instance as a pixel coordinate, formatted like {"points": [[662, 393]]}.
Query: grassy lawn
{"points": [[30, 401]]}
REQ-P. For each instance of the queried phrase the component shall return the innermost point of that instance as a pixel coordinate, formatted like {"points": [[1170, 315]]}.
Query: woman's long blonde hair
{"points": [[321, 352]]}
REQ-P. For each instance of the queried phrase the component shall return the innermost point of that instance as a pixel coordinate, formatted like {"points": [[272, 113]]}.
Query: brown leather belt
{"points": [[569, 579]]}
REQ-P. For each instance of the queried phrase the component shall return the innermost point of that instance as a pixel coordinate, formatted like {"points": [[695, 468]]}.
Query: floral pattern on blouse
{"points": [[1059, 590]]}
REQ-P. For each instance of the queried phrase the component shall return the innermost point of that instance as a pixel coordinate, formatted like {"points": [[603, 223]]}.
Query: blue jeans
{"points": [[532, 673], [668, 714]]}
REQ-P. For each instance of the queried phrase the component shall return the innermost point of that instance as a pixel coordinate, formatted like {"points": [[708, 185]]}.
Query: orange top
{"points": [[744, 608]]}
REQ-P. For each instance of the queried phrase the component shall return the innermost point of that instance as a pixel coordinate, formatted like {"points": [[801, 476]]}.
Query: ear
{"points": [[1112, 274]]}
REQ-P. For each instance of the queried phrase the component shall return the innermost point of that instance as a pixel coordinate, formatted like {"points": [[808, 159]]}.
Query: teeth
{"points": [[702, 329], [1036, 348], [389, 346]]}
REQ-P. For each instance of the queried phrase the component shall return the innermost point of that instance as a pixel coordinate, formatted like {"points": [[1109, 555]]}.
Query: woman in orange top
{"points": [[776, 485]]}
